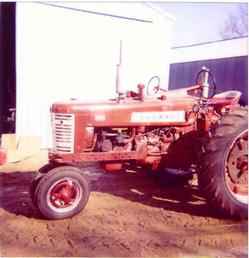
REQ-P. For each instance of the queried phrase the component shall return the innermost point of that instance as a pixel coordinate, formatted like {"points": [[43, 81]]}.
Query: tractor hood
{"points": [[170, 108], [79, 106], [169, 100]]}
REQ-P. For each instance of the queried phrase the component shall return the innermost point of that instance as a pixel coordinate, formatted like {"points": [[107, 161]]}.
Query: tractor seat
{"points": [[228, 95]]}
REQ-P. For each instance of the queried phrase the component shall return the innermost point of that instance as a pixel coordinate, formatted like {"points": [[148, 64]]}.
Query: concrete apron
{"points": [[23, 153]]}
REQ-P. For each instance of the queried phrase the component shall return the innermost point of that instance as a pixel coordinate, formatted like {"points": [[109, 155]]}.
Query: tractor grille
{"points": [[63, 132]]}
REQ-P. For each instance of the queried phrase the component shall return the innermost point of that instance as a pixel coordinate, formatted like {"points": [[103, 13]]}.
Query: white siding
{"points": [[215, 50], [64, 54]]}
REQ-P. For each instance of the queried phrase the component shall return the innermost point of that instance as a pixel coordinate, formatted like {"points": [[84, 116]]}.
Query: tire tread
{"points": [[211, 181]]}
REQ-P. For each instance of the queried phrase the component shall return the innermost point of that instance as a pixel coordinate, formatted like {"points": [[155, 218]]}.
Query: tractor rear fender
{"points": [[225, 100]]}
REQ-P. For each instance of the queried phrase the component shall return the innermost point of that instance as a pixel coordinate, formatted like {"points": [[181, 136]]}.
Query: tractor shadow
{"points": [[15, 194], [173, 194], [134, 185]]}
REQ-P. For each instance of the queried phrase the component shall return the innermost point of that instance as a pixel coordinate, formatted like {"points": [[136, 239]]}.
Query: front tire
{"points": [[61, 193], [223, 168]]}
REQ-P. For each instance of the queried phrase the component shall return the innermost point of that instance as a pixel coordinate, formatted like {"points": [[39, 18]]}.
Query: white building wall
{"points": [[63, 54], [214, 50]]}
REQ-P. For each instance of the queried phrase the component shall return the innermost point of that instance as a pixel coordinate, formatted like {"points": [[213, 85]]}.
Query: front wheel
{"points": [[223, 169], [62, 193]]}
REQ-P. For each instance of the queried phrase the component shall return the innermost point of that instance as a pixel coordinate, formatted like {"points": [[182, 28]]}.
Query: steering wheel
{"points": [[151, 87], [211, 81]]}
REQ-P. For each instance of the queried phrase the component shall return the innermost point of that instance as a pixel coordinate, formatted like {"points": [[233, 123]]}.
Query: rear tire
{"points": [[223, 168], [61, 193]]}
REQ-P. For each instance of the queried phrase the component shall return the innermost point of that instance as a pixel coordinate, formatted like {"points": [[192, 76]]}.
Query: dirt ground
{"points": [[129, 214]]}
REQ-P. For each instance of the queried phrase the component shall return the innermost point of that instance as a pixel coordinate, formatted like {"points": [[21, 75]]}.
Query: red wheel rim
{"points": [[237, 168], [64, 195]]}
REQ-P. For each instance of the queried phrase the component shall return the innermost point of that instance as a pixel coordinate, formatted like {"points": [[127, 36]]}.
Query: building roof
{"points": [[133, 11], [210, 50]]}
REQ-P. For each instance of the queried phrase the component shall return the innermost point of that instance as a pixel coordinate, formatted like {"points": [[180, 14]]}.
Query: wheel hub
{"points": [[63, 194], [237, 166]]}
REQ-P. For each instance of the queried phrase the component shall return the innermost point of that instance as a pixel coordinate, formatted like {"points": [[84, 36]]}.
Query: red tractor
{"points": [[191, 129]]}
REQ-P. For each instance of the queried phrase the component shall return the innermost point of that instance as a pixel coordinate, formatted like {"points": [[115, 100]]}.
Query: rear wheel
{"points": [[223, 169], [61, 193]]}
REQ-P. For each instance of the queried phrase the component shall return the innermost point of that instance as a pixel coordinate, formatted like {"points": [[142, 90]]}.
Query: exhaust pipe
{"points": [[118, 74]]}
